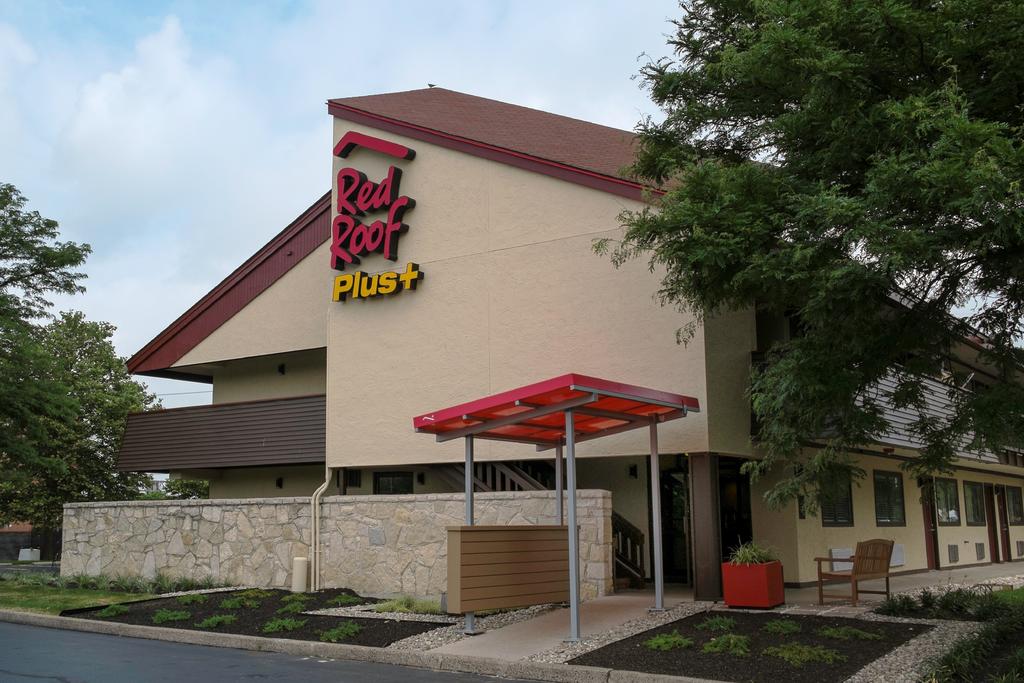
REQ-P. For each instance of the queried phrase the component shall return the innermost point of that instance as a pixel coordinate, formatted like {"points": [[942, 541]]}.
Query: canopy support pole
{"points": [[659, 565], [469, 627], [559, 486], [574, 537]]}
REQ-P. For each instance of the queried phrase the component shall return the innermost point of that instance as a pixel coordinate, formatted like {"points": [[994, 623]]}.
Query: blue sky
{"points": [[177, 137]]}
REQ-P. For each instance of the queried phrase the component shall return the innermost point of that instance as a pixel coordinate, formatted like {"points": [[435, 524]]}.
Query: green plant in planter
{"points": [[285, 624], [162, 616], [112, 611], [847, 633], [664, 642], [798, 654], [217, 620], [344, 631], [751, 553], [192, 599], [781, 627], [294, 607]]}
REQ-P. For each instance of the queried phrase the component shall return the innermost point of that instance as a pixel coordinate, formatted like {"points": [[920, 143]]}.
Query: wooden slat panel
{"points": [[509, 546], [512, 579], [500, 558], [472, 570], [496, 567]]}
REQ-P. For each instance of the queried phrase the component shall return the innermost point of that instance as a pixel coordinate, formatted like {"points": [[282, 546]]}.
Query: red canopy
{"points": [[535, 413]]}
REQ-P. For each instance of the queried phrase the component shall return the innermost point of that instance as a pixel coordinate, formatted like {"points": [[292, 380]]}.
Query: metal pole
{"points": [[559, 486], [469, 628], [659, 566], [574, 539]]}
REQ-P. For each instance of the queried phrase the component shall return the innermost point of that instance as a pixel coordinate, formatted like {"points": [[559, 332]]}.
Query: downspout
{"points": [[314, 540]]}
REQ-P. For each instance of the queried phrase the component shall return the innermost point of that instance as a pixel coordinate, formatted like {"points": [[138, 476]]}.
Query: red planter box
{"points": [[753, 585]]}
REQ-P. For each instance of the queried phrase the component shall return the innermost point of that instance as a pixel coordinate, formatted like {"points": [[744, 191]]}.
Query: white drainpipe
{"points": [[314, 541]]}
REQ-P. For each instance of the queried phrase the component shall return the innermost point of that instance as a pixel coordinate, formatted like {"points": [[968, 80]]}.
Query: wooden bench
{"points": [[870, 561]]}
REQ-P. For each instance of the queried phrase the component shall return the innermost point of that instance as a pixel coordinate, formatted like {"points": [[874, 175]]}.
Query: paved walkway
{"points": [[526, 638]]}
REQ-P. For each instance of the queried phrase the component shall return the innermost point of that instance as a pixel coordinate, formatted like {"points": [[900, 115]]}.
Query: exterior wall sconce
{"points": [[633, 473], [279, 483]]}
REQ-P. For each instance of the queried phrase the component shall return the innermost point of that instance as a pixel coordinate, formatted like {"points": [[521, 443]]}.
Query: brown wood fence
{"points": [[491, 567]]}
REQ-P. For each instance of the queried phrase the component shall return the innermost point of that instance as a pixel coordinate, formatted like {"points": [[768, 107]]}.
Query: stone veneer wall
{"points": [[376, 545]]}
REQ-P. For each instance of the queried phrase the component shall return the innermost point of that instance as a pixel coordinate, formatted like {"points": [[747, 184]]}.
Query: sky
{"points": [[176, 138]]}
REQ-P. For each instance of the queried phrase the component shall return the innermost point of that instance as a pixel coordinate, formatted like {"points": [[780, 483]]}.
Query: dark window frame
{"points": [[902, 497], [979, 488], [956, 494], [1009, 509], [833, 522], [403, 474]]}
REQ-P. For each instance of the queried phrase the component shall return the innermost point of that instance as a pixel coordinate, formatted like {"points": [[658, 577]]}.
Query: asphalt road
{"points": [[30, 654]]}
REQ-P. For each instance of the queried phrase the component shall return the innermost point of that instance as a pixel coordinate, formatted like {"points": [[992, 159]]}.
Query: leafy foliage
{"points": [[668, 641], [728, 644], [162, 616], [114, 610], [847, 633], [854, 167], [798, 654], [343, 631], [192, 599], [283, 624], [751, 553], [217, 620], [717, 622], [240, 602], [180, 489], [292, 608], [407, 604], [956, 603], [781, 627], [345, 600]]}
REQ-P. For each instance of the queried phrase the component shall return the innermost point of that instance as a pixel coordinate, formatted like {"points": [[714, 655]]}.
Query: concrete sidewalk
{"points": [[597, 616]]}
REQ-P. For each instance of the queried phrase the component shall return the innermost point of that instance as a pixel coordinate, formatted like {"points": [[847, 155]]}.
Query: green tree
{"points": [[856, 165], [33, 265], [78, 452], [180, 489]]}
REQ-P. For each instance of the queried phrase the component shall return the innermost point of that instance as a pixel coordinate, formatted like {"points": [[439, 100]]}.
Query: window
{"points": [[889, 507], [947, 502], [837, 507], [1014, 505], [974, 503], [391, 483]]}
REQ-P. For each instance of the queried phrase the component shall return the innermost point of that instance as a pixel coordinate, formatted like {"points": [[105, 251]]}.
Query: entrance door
{"points": [[990, 523], [675, 525], [1004, 528], [734, 504]]}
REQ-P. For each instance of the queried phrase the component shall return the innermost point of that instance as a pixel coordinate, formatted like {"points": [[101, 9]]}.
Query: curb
{"points": [[486, 666]]}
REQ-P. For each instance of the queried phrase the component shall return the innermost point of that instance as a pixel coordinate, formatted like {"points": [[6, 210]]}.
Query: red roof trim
{"points": [[262, 269], [572, 174]]}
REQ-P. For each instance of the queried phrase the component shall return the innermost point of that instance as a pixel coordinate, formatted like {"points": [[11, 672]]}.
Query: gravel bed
{"points": [[566, 651], [909, 662], [450, 634]]}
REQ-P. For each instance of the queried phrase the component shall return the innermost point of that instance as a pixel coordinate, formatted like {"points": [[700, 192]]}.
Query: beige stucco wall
{"points": [[966, 536], [261, 482], [290, 315], [254, 379], [512, 294]]}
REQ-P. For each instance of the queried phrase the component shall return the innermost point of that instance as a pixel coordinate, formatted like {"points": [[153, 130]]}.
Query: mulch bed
{"points": [[250, 620], [631, 653]]}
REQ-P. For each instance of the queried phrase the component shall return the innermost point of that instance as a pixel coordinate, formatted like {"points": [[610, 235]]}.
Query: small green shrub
{"points": [[162, 616], [217, 620], [668, 641], [192, 599], [283, 624], [798, 654], [296, 597], [897, 606], [847, 633], [957, 602], [751, 553], [717, 623], [112, 611], [240, 601], [728, 644], [344, 600], [927, 600], [292, 608], [162, 583], [781, 627], [343, 631], [409, 605], [129, 584]]}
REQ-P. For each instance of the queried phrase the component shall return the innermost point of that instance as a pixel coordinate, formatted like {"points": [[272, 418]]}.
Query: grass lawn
{"points": [[51, 600]]}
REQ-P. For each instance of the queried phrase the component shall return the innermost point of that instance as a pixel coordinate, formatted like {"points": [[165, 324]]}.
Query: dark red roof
{"points": [[535, 413]]}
